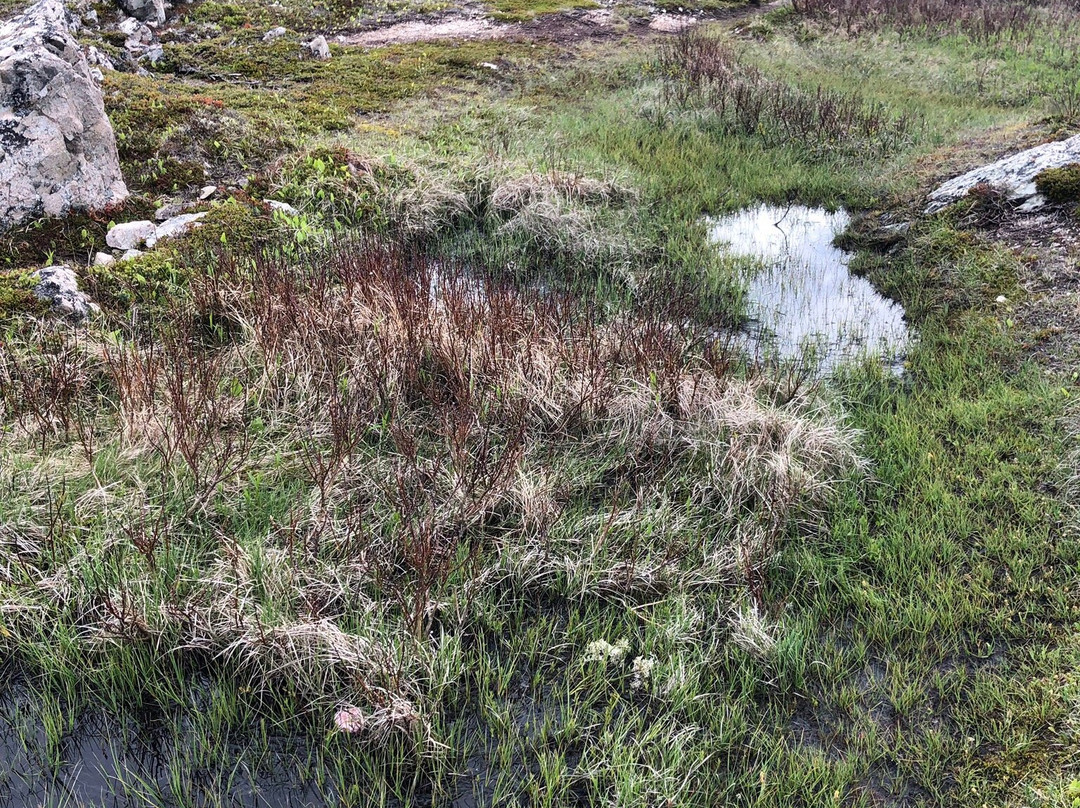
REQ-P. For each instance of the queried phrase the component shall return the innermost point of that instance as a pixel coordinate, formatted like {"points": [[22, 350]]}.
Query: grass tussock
{"points": [[567, 216]]}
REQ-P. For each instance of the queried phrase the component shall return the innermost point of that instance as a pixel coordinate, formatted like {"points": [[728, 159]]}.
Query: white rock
{"points": [[129, 235], [140, 39], [283, 207], [207, 191], [128, 26], [1014, 176], [130, 254], [103, 259], [57, 148], [1033, 204], [176, 226], [99, 59], [59, 285], [274, 33], [1001, 299], [315, 49]]}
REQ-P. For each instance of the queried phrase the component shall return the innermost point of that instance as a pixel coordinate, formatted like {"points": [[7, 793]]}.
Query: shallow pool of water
{"points": [[803, 302]]}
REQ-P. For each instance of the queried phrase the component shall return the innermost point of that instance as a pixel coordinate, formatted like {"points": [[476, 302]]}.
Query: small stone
{"points": [[316, 49], [59, 285], [154, 54], [274, 33], [168, 211], [282, 207], [176, 226], [103, 259], [1001, 299], [207, 192], [898, 229], [128, 26], [131, 254], [129, 235], [1034, 203], [90, 17], [99, 59]]}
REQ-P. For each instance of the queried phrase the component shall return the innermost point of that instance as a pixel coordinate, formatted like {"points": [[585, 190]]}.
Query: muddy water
{"points": [[101, 763], [804, 304]]}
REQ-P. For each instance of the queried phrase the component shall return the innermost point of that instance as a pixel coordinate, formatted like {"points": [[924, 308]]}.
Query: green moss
{"points": [[143, 115], [317, 96], [519, 10], [1060, 185], [150, 279], [17, 293], [225, 14]]}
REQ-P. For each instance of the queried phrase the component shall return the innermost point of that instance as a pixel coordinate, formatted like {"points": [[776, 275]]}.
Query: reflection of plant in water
{"points": [[811, 311]]}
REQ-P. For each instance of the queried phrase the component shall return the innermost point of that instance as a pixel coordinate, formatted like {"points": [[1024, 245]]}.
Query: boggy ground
{"points": [[452, 489]]}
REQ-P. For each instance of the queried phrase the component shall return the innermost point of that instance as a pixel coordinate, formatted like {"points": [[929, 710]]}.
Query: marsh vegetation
{"points": [[456, 483]]}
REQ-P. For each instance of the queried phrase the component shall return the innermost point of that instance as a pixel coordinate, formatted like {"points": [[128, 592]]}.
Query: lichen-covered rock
{"points": [[59, 285], [151, 11], [57, 148], [1013, 176]]}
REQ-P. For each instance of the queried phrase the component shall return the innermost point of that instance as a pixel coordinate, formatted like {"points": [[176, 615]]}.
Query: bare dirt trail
{"points": [[563, 27]]}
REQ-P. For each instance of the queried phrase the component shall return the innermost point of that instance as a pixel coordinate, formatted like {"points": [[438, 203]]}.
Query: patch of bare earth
{"points": [[562, 27], [461, 28], [1048, 244]]}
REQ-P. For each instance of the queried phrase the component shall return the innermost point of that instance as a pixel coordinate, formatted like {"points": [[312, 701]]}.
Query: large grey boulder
{"points": [[57, 149], [1014, 176], [59, 285], [151, 11]]}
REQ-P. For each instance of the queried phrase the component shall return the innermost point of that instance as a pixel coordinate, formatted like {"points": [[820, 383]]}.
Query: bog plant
{"points": [[434, 438], [703, 72]]}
